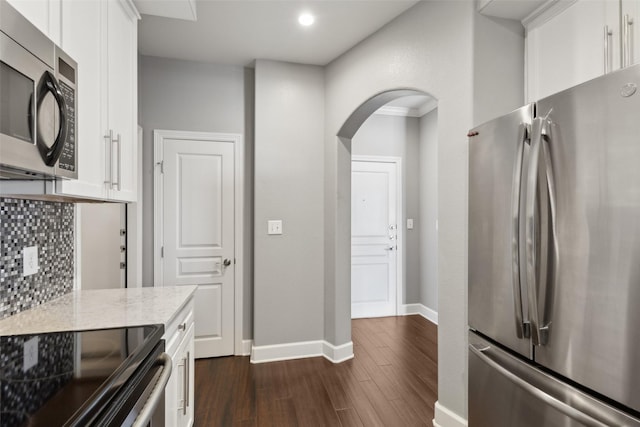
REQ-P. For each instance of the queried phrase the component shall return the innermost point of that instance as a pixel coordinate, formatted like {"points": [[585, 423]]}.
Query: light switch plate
{"points": [[274, 226], [30, 260], [409, 223], [30, 354]]}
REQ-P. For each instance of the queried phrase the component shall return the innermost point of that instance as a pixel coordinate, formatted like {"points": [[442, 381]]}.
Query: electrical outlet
{"points": [[274, 226], [30, 354], [30, 260]]}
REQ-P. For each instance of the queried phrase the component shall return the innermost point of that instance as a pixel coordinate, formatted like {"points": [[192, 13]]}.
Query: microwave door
{"points": [[19, 77]]}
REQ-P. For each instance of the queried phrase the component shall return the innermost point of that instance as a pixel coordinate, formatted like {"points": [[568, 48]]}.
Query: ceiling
{"points": [[236, 32]]}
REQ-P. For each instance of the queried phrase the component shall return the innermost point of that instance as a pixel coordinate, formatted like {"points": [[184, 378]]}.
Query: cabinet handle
{"points": [[182, 326], [627, 22], [188, 377], [118, 141], [185, 384], [607, 57], [108, 159]]}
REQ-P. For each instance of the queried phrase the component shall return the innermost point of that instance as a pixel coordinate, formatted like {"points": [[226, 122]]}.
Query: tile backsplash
{"points": [[50, 227]]}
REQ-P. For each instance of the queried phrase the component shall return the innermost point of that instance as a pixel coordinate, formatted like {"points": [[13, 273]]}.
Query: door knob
{"points": [[226, 262]]}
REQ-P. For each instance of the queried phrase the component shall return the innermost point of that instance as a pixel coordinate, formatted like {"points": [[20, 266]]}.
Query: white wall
{"points": [[193, 96], [428, 158], [398, 136], [289, 276]]}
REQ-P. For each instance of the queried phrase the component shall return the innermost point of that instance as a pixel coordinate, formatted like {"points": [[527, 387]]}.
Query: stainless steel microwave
{"points": [[38, 97]]}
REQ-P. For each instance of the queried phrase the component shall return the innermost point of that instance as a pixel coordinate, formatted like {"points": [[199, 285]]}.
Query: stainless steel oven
{"points": [[108, 377], [38, 93]]}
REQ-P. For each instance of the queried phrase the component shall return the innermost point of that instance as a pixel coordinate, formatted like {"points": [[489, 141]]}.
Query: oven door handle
{"points": [[154, 398]]}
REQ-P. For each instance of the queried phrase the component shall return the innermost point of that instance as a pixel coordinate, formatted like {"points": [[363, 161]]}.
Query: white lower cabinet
{"points": [[179, 342]]}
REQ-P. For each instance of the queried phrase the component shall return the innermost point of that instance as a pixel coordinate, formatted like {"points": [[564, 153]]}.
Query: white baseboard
{"points": [[246, 348], [420, 309], [337, 354], [447, 418], [301, 350]]}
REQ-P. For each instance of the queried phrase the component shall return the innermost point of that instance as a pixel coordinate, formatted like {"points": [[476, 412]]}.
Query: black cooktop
{"points": [[61, 378]]}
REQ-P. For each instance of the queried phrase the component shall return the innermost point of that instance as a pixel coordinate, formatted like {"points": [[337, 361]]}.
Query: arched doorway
{"points": [[345, 136]]}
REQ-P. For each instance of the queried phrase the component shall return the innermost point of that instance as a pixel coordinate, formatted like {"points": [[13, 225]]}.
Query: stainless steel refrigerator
{"points": [[554, 260]]}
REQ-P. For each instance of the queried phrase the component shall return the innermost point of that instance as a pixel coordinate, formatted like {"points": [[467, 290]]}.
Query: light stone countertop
{"points": [[99, 309]]}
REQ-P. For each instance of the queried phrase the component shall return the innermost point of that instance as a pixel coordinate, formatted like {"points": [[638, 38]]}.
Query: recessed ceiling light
{"points": [[306, 19]]}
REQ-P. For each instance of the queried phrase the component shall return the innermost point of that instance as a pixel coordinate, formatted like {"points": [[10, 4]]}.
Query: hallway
{"points": [[392, 381]]}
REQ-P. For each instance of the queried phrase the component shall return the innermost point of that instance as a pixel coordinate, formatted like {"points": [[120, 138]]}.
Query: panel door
{"points": [[374, 202], [198, 229]]}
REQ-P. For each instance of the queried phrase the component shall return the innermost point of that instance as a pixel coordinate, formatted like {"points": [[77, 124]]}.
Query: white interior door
{"points": [[374, 244], [198, 234]]}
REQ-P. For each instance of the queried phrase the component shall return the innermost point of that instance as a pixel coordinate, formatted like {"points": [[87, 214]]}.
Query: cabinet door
{"points": [[122, 97], [185, 395], [83, 40], [631, 12], [569, 48], [179, 390]]}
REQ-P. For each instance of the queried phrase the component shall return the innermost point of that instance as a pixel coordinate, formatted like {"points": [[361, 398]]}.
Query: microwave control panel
{"points": [[67, 159]]}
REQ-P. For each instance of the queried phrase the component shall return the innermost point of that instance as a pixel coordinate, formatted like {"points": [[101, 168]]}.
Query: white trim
{"points": [[134, 225], [301, 350], [389, 110], [246, 348], [545, 12], [392, 110], [236, 139], [444, 417], [77, 250], [337, 354], [421, 309], [399, 219]]}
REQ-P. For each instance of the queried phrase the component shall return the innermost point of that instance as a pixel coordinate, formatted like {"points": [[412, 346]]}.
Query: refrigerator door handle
{"points": [[522, 328], [536, 236], [567, 410]]}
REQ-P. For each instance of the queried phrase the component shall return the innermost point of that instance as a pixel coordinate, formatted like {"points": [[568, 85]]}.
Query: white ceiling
{"points": [[237, 32]]}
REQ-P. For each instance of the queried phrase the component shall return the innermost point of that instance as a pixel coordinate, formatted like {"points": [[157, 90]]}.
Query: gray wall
{"points": [[193, 96], [423, 51], [414, 51], [428, 158], [498, 64], [289, 276], [396, 136]]}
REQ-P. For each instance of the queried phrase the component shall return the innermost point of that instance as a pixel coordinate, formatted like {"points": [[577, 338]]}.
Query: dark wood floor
{"points": [[392, 381]]}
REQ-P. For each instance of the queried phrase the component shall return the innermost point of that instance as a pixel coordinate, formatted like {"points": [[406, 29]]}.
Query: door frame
{"points": [[159, 135], [400, 219]]}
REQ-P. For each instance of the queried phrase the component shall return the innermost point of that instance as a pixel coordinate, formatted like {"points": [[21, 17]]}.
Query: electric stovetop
{"points": [[54, 378]]}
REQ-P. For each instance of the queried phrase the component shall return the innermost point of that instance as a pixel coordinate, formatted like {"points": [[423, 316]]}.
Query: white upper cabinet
{"points": [[630, 15], [82, 39], [101, 36], [577, 44], [122, 95]]}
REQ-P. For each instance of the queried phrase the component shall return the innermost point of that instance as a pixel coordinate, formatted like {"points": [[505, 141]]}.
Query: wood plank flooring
{"points": [[392, 381]]}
